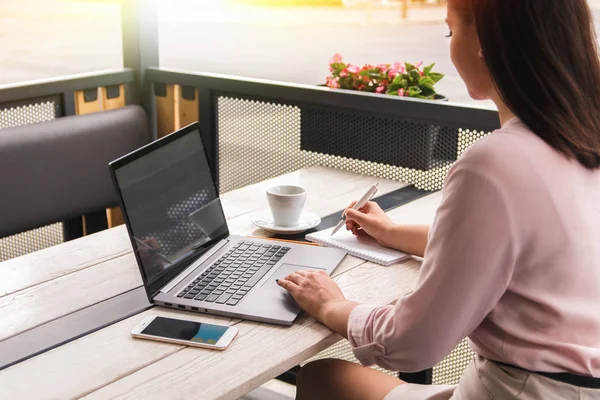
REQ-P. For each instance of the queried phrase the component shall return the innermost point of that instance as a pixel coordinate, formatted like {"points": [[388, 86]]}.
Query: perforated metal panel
{"points": [[450, 369], [30, 241], [259, 140], [467, 137], [19, 114], [446, 372], [343, 351], [386, 140]]}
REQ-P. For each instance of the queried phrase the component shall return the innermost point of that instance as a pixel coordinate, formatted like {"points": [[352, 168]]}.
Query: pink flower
{"points": [[419, 64], [393, 73], [344, 73], [400, 92], [333, 82], [380, 89], [422, 73], [382, 67], [353, 69], [337, 58], [397, 66]]}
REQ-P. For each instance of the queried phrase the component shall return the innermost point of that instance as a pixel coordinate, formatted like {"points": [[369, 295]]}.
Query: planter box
{"points": [[385, 139]]}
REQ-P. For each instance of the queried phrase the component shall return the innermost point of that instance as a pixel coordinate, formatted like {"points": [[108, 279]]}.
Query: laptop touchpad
{"points": [[285, 270]]}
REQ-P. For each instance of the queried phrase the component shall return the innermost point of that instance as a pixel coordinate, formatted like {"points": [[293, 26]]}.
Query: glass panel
{"points": [[293, 40], [48, 38]]}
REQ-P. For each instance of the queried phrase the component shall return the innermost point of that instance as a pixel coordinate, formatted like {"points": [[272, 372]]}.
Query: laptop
{"points": [[186, 256]]}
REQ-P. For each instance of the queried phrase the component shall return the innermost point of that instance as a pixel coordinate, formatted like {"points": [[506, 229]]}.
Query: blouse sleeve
{"points": [[467, 267]]}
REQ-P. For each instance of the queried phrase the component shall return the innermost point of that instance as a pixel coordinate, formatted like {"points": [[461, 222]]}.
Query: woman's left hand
{"points": [[314, 291]]}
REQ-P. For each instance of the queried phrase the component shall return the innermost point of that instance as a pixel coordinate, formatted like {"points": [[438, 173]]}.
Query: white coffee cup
{"points": [[286, 203]]}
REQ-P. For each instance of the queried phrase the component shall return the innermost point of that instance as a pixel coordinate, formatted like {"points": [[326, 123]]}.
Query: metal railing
{"points": [[281, 127], [44, 100]]}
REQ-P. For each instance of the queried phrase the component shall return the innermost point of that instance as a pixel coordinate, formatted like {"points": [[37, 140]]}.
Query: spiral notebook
{"points": [[362, 247]]}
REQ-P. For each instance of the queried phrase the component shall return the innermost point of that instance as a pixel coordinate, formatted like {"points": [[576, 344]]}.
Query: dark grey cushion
{"points": [[57, 170]]}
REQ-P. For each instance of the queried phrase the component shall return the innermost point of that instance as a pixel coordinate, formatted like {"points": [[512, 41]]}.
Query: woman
{"points": [[513, 258]]}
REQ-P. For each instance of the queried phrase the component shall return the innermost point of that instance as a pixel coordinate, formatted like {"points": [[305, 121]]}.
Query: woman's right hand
{"points": [[370, 220]]}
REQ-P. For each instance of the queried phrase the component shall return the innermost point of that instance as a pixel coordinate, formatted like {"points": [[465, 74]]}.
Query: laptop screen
{"points": [[171, 203]]}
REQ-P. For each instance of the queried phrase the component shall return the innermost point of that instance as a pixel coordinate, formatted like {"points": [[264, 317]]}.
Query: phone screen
{"points": [[185, 330]]}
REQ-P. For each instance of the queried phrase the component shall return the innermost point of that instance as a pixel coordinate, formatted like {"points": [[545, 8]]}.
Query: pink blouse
{"points": [[513, 262]]}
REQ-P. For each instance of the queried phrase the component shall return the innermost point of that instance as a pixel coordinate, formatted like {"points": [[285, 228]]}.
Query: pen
{"points": [[359, 204]]}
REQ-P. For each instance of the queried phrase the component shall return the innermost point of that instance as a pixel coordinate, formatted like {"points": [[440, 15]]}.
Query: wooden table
{"points": [[108, 363]]}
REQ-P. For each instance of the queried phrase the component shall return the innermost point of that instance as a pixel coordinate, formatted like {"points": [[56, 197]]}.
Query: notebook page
{"points": [[363, 247]]}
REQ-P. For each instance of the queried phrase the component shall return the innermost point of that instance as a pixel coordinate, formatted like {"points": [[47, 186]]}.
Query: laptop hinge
{"points": [[169, 286]]}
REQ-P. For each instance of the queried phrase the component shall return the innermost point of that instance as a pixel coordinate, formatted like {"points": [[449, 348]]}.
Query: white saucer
{"points": [[307, 221]]}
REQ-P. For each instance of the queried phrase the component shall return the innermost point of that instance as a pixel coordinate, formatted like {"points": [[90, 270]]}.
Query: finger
{"points": [[361, 233], [295, 277], [303, 273], [351, 224], [348, 208], [357, 216], [369, 207], [288, 285]]}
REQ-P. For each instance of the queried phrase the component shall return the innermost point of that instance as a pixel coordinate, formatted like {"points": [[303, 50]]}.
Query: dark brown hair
{"points": [[543, 58]]}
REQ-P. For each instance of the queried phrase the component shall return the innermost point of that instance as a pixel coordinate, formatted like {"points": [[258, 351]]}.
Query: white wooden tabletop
{"points": [[55, 282]]}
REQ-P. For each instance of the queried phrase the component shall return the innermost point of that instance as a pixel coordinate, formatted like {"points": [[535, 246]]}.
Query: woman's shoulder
{"points": [[510, 150]]}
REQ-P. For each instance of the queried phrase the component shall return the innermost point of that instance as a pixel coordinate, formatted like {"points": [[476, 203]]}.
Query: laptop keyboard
{"points": [[232, 276]]}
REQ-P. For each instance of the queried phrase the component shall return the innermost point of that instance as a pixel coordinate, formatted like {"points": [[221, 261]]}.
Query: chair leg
{"points": [[95, 222], [85, 225], [289, 376], [72, 229]]}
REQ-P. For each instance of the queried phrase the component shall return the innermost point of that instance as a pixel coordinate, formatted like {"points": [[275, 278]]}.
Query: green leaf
{"points": [[427, 70], [436, 76], [426, 80], [427, 91], [414, 91], [393, 93], [394, 87], [409, 67], [338, 66], [398, 79], [429, 87], [414, 74]]}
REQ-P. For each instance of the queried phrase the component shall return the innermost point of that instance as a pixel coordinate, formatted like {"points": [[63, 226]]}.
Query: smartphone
{"points": [[189, 333]]}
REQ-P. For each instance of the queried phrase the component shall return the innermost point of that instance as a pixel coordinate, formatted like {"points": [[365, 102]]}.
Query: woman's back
{"points": [[549, 318]]}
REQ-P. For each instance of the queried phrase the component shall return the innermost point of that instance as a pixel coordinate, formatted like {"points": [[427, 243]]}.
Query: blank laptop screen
{"points": [[172, 205]]}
